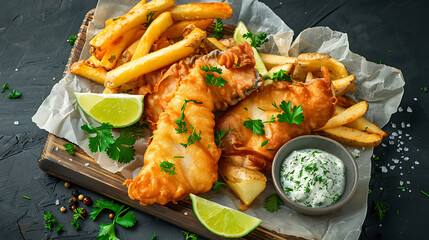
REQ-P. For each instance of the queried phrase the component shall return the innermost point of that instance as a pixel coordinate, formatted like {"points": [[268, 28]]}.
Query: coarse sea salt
{"points": [[383, 145], [86, 164], [392, 167], [400, 109], [402, 125], [57, 202], [417, 162], [16, 123], [408, 182], [393, 125], [409, 110], [383, 169], [408, 125]]}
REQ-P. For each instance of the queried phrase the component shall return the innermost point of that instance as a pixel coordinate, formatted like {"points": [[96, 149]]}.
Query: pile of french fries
{"points": [[348, 126], [146, 39]]}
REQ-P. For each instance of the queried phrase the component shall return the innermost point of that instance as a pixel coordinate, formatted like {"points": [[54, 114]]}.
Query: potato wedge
{"points": [[344, 101], [246, 183], [192, 11], [175, 30], [300, 71], [135, 17], [309, 77], [364, 125], [97, 75], [348, 115], [343, 85], [317, 60], [352, 137], [155, 60], [93, 62], [271, 60]]}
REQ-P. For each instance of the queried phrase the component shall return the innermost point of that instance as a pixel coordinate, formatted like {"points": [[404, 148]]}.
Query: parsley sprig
{"points": [[14, 94], [219, 134], [168, 167], [72, 39], [181, 124], [189, 235], [281, 76], [210, 78], [257, 126], [272, 202], [192, 138], [123, 217], [69, 147], [208, 68], [218, 31], [77, 214], [50, 220], [217, 185], [290, 115], [4, 87], [149, 18], [256, 39]]}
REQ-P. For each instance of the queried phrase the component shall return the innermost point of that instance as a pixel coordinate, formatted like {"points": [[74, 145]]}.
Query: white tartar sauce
{"points": [[313, 178]]}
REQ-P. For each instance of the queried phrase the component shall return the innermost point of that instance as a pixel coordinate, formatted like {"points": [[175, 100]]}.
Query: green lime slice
{"points": [[120, 110], [221, 220], [239, 31]]}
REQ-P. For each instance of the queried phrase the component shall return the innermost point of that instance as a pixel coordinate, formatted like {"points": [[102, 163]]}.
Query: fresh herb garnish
{"points": [[153, 237], [167, 167], [178, 157], [149, 18], [400, 187], [427, 195], [275, 105], [192, 138], [60, 228], [270, 149], [122, 150], [112, 58], [272, 202], [4, 87], [218, 31], [49, 220], [77, 214], [425, 89], [69, 147], [217, 185], [189, 235], [380, 209], [123, 217], [369, 191], [256, 39], [264, 143], [290, 115], [208, 68], [72, 39], [116, 18], [219, 134], [26, 197], [210, 78], [256, 126], [14, 94], [281, 76], [101, 142], [181, 124]]}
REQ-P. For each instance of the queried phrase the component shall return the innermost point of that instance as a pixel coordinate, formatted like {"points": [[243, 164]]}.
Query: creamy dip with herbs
{"points": [[313, 178]]}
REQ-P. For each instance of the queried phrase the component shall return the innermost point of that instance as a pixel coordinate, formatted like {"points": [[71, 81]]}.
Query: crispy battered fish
{"points": [[244, 148], [196, 165]]}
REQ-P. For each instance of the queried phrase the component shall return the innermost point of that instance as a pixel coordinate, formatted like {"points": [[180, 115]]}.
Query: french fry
{"points": [[175, 30], [161, 43], [352, 137], [97, 75], [194, 11], [346, 116], [110, 21], [155, 60], [158, 26], [128, 53], [97, 53], [343, 85], [271, 60], [135, 17], [218, 44], [309, 77], [115, 50], [110, 91], [93, 62], [344, 101], [317, 60], [300, 71]]}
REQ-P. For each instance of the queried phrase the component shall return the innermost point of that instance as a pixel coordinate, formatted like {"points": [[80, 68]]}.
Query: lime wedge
{"points": [[221, 220], [239, 31], [120, 110]]}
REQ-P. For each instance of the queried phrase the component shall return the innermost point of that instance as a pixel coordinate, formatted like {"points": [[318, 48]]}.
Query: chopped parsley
{"points": [[210, 78], [217, 185], [149, 18], [26, 197], [167, 167], [208, 68], [427, 195], [425, 89], [380, 209], [112, 58], [4, 87], [219, 134], [192, 138], [69, 147], [181, 124], [178, 157], [256, 40], [290, 115], [218, 31], [14, 94], [116, 18], [256, 126], [72, 39], [272, 202], [281, 76], [50, 220], [189, 235], [60, 228], [264, 143], [77, 214]]}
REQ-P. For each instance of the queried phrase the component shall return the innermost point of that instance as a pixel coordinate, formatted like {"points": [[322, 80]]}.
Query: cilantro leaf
{"points": [[217, 185], [14, 94], [127, 220], [167, 167], [210, 78], [272, 202], [69, 147], [219, 134], [256, 126], [101, 204], [218, 31], [4, 87], [149, 18], [103, 138], [256, 40], [281, 76], [107, 232], [72, 39], [50, 220], [208, 68], [192, 138], [60, 228], [290, 115], [189, 235], [122, 149]]}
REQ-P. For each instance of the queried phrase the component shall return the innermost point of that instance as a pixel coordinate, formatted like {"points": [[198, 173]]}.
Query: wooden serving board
{"points": [[82, 170]]}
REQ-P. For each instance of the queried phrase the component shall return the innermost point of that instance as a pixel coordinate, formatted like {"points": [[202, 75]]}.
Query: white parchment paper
{"points": [[381, 86]]}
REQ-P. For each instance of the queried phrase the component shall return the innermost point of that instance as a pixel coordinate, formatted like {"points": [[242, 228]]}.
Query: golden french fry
{"points": [[364, 125], [201, 11], [343, 85], [309, 77], [97, 54], [246, 183], [161, 43], [158, 26], [110, 21], [127, 54], [155, 60], [93, 62], [316, 60], [271, 60], [175, 30], [216, 42], [135, 17], [115, 50], [352, 137], [110, 91], [97, 75], [346, 116], [300, 71]]}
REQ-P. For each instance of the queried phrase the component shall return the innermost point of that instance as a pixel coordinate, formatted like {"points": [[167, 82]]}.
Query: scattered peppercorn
{"points": [[84, 213], [72, 201], [80, 197], [67, 184], [111, 216], [75, 199], [75, 192], [87, 200], [73, 207], [63, 209]]}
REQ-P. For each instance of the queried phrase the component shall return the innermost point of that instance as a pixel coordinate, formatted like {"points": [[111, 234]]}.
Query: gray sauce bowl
{"points": [[327, 145]]}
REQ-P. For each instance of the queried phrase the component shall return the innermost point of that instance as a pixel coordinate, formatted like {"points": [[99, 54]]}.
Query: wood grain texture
{"points": [[84, 171]]}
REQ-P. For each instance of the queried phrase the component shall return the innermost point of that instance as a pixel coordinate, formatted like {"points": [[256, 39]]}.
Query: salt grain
{"points": [[16, 123], [392, 167], [400, 167], [401, 183], [400, 109], [57, 202], [406, 158], [402, 124], [383, 145], [394, 134], [399, 195], [186, 213], [381, 188], [395, 160], [393, 125], [407, 135], [416, 162], [383, 169], [86, 164], [408, 125], [415, 99], [56, 148], [409, 110], [16, 69], [401, 174], [410, 138], [409, 190], [406, 149], [408, 182], [71, 160], [400, 132], [391, 142]]}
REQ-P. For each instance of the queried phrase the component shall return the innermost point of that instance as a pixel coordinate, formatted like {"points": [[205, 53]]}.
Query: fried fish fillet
{"points": [[244, 148], [196, 165]]}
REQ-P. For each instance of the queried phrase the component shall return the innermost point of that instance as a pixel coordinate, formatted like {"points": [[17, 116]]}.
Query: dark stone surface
{"points": [[33, 54]]}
